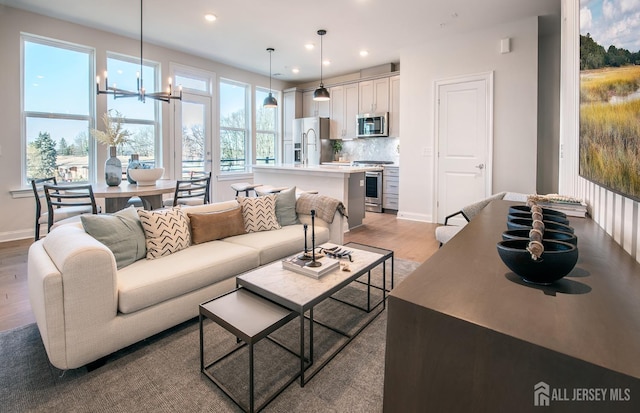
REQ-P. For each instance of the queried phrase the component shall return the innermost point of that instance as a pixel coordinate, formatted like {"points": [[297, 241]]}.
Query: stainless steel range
{"points": [[373, 185]]}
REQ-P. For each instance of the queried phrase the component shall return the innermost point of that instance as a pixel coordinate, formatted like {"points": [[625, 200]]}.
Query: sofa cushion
{"points": [[166, 231], [277, 244], [286, 207], [210, 226], [259, 213], [121, 232], [149, 282]]}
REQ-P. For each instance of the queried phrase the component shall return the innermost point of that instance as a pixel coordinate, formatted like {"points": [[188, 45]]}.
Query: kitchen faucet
{"points": [[306, 144]]}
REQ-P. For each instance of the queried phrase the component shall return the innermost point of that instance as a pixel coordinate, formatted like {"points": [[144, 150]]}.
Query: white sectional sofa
{"points": [[86, 308]]}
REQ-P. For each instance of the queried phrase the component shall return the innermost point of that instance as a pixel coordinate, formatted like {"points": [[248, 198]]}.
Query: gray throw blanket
{"points": [[325, 206]]}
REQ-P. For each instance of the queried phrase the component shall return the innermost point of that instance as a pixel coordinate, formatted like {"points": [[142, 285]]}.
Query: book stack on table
{"points": [[572, 207], [300, 266]]}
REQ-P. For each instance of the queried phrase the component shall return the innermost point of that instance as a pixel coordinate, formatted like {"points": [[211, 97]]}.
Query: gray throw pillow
{"points": [[286, 207], [121, 232]]}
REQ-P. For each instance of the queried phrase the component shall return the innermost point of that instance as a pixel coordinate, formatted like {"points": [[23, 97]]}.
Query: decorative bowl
{"points": [[146, 177], [557, 260], [545, 211], [527, 223], [546, 217], [549, 234]]}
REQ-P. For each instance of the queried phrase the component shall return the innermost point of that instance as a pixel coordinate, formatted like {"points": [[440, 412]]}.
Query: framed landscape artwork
{"points": [[610, 94]]}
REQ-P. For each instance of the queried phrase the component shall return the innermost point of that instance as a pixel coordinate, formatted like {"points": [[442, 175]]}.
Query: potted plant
{"points": [[113, 136], [337, 147]]}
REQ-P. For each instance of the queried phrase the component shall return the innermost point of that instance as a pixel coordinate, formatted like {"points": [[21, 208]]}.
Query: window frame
{"points": [[26, 114], [248, 141], [276, 122], [157, 114]]}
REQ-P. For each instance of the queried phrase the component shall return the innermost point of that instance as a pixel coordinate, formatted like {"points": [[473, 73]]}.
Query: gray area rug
{"points": [[162, 373]]}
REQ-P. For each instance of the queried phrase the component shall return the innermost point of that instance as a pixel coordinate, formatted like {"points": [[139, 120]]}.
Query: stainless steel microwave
{"points": [[372, 125]]}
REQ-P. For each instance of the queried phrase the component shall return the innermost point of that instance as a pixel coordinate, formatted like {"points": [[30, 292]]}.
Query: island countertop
{"points": [[346, 183], [316, 169]]}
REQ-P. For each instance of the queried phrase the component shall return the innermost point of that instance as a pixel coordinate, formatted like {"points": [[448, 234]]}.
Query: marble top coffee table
{"points": [[302, 293]]}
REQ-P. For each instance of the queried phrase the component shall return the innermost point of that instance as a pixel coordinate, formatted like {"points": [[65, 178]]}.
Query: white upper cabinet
{"points": [[344, 109], [374, 96], [312, 108]]}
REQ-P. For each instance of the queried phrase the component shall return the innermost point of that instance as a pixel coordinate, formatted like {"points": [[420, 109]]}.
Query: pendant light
{"points": [[270, 101], [321, 93]]}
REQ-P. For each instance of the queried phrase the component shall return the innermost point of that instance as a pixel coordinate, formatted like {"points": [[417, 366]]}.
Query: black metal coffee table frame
{"points": [[302, 308]]}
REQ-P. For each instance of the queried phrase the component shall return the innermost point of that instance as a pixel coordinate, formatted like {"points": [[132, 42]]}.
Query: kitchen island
{"points": [[345, 183]]}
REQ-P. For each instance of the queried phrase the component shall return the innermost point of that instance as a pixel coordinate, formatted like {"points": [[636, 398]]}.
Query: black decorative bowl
{"points": [[524, 223], [557, 260], [545, 211], [549, 234], [554, 218]]}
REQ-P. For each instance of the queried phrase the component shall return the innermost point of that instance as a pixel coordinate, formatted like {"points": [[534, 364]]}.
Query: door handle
{"points": [[480, 166]]}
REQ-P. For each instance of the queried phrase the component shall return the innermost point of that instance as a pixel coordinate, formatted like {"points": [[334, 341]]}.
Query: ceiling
{"points": [[244, 29]]}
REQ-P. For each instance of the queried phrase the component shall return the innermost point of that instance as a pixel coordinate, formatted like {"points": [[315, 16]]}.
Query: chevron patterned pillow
{"points": [[166, 231], [259, 213]]}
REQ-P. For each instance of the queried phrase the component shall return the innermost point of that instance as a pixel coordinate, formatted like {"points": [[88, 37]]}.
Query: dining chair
{"points": [[68, 202], [194, 191], [446, 232], [42, 213]]}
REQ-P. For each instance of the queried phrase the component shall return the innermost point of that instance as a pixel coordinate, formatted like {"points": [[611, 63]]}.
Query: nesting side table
{"points": [[250, 318]]}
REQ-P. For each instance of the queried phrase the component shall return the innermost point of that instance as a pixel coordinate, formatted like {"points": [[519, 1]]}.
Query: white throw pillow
{"points": [[166, 231], [259, 213]]}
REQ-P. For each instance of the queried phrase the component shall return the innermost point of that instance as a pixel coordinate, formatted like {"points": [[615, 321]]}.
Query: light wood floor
{"points": [[409, 240]]}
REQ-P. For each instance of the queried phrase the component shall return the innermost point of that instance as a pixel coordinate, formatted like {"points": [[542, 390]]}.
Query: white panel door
{"points": [[464, 139]]}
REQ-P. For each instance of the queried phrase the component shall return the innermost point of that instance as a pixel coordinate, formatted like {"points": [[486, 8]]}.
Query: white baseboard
{"points": [[412, 216], [18, 235]]}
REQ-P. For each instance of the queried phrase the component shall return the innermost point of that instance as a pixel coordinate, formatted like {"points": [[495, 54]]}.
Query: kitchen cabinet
{"points": [[374, 96], [291, 109], [312, 108], [394, 106], [344, 109], [391, 185]]}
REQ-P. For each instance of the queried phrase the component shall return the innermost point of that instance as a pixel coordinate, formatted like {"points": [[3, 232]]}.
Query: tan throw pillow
{"points": [[259, 213], [166, 231], [210, 226]]}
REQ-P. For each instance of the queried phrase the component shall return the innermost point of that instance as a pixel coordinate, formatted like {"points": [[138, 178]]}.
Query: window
{"points": [[266, 129], [140, 119], [57, 87], [234, 127]]}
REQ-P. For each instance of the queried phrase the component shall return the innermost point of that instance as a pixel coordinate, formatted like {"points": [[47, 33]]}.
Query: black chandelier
{"points": [[140, 93]]}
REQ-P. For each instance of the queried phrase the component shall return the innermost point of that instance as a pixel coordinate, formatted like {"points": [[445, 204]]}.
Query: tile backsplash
{"points": [[371, 149]]}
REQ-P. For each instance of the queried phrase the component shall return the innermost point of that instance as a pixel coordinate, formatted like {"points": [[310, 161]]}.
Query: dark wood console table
{"points": [[465, 334]]}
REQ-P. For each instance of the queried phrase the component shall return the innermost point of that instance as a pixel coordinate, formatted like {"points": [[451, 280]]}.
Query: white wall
{"points": [[515, 109], [617, 215], [17, 213]]}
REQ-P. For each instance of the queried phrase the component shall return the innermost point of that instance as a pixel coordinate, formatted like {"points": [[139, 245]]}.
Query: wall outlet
{"points": [[427, 151], [362, 182]]}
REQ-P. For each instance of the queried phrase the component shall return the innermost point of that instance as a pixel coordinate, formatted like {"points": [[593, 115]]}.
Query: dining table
{"points": [[117, 197]]}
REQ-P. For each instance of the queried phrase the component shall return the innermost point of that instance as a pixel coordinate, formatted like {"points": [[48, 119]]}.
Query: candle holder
{"points": [[313, 262], [305, 256]]}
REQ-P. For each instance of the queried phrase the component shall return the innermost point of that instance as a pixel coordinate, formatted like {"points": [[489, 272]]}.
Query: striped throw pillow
{"points": [[259, 213], [166, 231]]}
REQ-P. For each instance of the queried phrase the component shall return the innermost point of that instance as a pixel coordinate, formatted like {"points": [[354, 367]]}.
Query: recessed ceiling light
{"points": [[295, 70], [210, 17], [326, 62], [364, 53], [309, 46]]}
